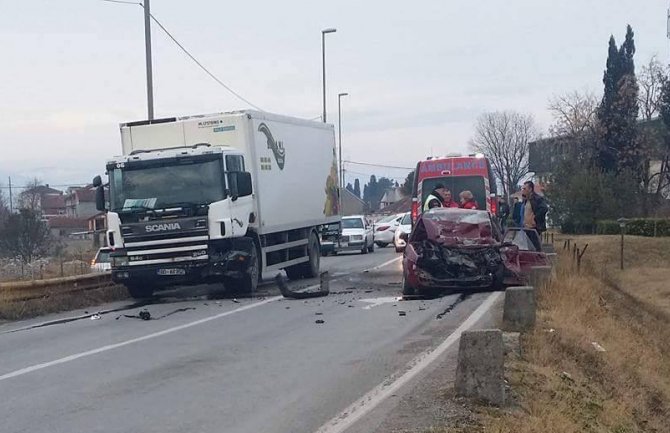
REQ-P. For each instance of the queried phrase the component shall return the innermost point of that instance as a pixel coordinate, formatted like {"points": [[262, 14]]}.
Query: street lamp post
{"points": [[323, 66], [339, 128]]}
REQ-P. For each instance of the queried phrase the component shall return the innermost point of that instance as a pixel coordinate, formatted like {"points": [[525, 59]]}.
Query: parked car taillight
{"points": [[382, 228], [415, 210]]}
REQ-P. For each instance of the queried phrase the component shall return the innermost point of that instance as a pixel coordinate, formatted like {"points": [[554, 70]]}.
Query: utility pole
{"points": [[147, 43], [339, 127], [11, 205]]}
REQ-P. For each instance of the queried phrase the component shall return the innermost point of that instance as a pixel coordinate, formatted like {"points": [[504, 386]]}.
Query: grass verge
{"points": [[563, 382]]}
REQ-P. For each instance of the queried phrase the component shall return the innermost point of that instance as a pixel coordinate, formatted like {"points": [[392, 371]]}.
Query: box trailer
{"points": [[222, 197]]}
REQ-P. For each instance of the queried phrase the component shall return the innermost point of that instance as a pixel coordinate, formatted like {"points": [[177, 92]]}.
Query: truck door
{"points": [[240, 207]]}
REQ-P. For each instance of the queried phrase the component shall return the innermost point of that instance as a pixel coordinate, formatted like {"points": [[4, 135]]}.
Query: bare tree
{"points": [[503, 136], [25, 236], [651, 79], [31, 197], [574, 113]]}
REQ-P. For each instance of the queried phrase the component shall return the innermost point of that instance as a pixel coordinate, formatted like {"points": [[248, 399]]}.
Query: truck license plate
{"points": [[171, 272]]}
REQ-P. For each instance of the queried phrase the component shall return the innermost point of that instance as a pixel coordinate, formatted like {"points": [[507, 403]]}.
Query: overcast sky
{"points": [[418, 73]]}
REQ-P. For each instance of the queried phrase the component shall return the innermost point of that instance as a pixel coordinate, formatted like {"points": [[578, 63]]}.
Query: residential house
{"points": [[62, 226], [351, 204], [391, 196], [80, 202], [50, 202]]}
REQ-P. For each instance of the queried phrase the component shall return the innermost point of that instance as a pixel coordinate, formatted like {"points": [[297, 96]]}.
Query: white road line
{"points": [[109, 347], [381, 392], [44, 365], [384, 264]]}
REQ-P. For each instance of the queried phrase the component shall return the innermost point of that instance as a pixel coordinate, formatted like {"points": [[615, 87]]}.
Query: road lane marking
{"points": [[44, 365], [391, 385], [397, 259], [375, 302], [109, 347]]}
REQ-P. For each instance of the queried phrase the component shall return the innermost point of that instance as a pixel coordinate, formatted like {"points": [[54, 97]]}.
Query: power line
{"points": [[202, 67], [379, 165], [207, 71]]}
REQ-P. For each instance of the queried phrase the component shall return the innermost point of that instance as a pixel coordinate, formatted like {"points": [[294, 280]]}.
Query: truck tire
{"points": [[371, 248], [310, 268], [140, 290], [382, 244], [249, 281]]}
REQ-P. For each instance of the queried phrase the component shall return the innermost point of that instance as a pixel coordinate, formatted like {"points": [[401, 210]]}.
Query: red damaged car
{"points": [[465, 249]]}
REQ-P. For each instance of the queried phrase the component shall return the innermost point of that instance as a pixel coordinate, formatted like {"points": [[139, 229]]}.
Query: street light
{"points": [[323, 65], [339, 127]]}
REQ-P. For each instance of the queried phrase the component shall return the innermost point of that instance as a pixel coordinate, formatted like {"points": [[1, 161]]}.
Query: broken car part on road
{"points": [[292, 294]]}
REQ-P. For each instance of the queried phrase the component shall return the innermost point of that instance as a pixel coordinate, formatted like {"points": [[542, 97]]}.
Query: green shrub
{"points": [[636, 227]]}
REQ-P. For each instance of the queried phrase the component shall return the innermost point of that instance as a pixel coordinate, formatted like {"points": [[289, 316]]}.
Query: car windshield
{"points": [[160, 186], [352, 223], [103, 256], [455, 226], [387, 219], [406, 220]]}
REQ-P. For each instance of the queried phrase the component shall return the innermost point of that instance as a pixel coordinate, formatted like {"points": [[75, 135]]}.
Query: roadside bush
{"points": [[649, 227]]}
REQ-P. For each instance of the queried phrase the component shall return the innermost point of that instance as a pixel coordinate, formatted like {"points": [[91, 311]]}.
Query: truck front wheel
{"points": [[140, 290], [248, 283]]}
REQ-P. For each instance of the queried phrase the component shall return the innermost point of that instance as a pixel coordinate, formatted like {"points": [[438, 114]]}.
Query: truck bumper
{"points": [[224, 260]]}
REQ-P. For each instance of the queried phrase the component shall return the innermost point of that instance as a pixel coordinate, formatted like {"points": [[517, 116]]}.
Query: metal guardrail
{"points": [[28, 290]]}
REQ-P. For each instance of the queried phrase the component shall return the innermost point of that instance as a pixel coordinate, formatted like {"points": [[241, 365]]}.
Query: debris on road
{"points": [[567, 376], [318, 314], [288, 293], [402, 313], [96, 317], [236, 301], [598, 347], [320, 321], [146, 315]]}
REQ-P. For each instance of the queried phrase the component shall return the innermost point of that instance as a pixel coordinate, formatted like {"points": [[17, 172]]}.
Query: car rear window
{"points": [[352, 223], [103, 257]]}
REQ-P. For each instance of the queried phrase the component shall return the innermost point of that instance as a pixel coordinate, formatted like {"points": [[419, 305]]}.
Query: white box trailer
{"points": [[221, 197]]}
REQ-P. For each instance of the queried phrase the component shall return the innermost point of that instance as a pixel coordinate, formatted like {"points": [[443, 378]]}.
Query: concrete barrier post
{"points": [[480, 369], [519, 309], [540, 276]]}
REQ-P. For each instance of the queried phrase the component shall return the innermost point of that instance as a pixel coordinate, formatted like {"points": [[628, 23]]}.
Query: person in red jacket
{"points": [[467, 200], [448, 200]]}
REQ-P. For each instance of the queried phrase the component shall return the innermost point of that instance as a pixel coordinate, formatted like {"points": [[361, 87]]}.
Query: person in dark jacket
{"points": [[533, 210], [516, 213], [503, 211]]}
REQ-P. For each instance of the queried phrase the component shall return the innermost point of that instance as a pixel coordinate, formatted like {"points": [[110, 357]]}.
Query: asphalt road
{"points": [[260, 364]]}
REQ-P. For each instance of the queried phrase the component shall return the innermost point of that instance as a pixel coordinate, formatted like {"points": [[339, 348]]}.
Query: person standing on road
{"points": [[449, 200], [468, 200], [436, 198], [503, 211], [533, 210]]}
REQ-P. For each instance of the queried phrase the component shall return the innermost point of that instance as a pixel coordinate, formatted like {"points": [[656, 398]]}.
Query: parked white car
{"points": [[404, 227], [385, 230], [357, 234], [101, 262]]}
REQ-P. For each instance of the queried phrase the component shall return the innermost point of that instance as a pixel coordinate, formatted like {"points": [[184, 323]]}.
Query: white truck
{"points": [[218, 198]]}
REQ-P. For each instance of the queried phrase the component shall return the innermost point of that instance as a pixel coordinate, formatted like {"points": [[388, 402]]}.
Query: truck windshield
{"points": [[142, 186]]}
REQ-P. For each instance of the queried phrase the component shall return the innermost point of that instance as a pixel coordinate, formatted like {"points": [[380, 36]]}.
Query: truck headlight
{"points": [[120, 261]]}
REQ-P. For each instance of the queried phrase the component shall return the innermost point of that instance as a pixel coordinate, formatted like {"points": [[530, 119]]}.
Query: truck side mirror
{"points": [[100, 198], [244, 187]]}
